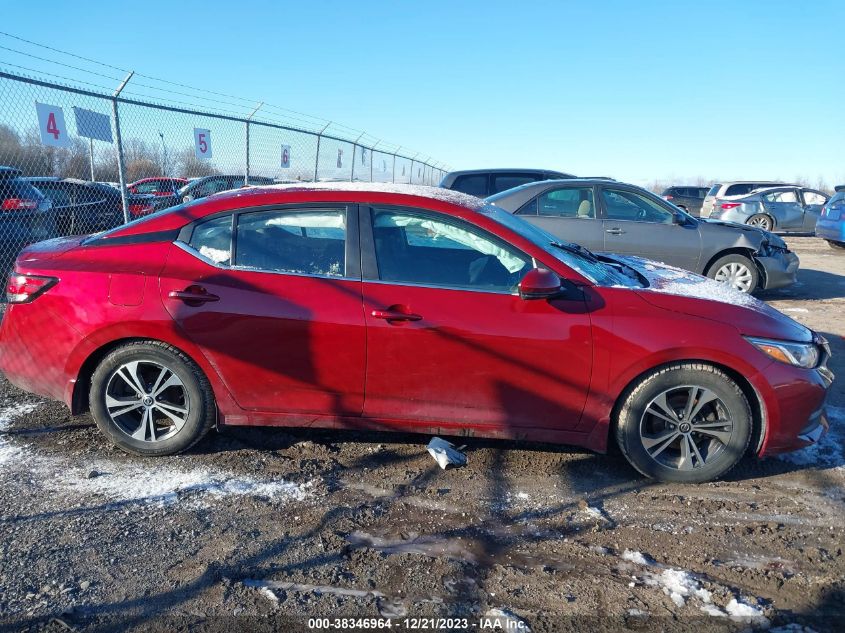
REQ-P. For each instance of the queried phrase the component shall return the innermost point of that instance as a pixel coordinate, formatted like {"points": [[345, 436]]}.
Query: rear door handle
{"points": [[614, 231], [193, 295], [393, 315]]}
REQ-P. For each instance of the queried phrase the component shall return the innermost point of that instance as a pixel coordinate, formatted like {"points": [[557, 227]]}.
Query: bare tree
{"points": [[190, 166]]}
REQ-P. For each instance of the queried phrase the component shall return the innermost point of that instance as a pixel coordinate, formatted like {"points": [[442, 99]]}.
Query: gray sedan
{"points": [[774, 209], [605, 215]]}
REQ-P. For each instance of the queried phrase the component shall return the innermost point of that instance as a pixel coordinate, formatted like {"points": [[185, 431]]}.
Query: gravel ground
{"points": [[263, 529]]}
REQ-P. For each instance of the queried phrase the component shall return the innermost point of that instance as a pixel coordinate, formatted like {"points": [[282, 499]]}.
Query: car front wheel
{"points": [[151, 399], [686, 423], [738, 271]]}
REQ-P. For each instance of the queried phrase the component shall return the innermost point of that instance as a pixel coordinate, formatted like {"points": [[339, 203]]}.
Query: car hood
{"points": [[756, 236], [679, 290]]}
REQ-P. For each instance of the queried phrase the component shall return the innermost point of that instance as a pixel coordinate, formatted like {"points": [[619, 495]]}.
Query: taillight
{"points": [[730, 205], [17, 204], [25, 288], [667, 197]]}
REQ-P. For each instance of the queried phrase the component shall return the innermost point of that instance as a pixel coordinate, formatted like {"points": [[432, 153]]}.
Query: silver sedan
{"points": [[773, 209]]}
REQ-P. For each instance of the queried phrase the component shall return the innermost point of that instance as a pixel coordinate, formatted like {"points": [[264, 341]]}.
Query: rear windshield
{"points": [[714, 190], [473, 184], [16, 188]]}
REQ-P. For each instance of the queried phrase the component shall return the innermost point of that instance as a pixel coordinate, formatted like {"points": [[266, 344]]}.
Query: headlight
{"points": [[799, 354]]}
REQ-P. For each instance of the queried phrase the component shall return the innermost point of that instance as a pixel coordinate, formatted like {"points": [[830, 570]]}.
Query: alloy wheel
{"points": [[736, 275], [761, 222], [147, 401], [685, 428]]}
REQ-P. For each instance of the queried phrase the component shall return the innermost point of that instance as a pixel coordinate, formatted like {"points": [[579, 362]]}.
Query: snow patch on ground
{"points": [[639, 558], [10, 452], [739, 609], [829, 452], [165, 484]]}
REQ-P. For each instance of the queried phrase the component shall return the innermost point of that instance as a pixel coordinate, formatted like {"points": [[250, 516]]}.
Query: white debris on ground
{"points": [[10, 452], [121, 482], [829, 451], [445, 453], [155, 483], [682, 585], [637, 557]]}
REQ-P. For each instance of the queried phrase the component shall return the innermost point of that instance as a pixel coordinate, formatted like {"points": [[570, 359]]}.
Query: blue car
{"points": [[831, 222]]}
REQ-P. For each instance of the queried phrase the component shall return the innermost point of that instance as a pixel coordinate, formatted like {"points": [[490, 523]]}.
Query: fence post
{"points": [[121, 170], [354, 145], [317, 158], [248, 119], [91, 147], [372, 158]]}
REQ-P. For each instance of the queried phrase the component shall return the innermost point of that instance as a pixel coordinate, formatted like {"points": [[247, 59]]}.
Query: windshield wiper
{"points": [[576, 249]]}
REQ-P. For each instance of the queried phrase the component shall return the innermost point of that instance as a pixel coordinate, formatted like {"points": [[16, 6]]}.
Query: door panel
{"points": [[483, 359], [785, 208], [637, 225], [282, 342]]}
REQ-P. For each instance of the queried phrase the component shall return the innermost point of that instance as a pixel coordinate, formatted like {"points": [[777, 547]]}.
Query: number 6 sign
{"points": [[285, 156], [202, 143], [51, 124]]}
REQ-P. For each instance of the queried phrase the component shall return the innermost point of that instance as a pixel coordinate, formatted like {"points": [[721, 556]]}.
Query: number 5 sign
{"points": [[51, 124], [202, 143]]}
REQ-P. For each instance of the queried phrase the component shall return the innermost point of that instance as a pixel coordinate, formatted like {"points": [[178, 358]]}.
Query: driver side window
{"points": [[620, 204], [420, 248]]}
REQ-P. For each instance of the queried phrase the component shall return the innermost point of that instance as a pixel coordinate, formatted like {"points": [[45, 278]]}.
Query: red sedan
{"points": [[403, 308]]}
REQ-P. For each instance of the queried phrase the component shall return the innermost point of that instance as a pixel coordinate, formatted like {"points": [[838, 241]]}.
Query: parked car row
{"points": [[604, 215], [355, 305]]}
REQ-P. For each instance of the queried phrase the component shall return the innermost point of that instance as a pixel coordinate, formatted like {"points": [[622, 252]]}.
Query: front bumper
{"points": [[779, 270], [795, 406]]}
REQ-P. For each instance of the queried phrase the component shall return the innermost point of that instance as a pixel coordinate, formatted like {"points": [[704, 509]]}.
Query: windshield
{"points": [[596, 271]]}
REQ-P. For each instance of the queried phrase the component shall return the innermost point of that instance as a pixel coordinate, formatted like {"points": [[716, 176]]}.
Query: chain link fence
{"points": [[75, 160]]}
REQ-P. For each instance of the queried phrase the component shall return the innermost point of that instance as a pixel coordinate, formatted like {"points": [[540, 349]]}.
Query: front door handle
{"points": [[614, 231], [193, 295], [392, 314]]}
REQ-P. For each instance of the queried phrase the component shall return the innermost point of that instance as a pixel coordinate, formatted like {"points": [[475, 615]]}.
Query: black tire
{"points": [[198, 399], [731, 260], [633, 421], [837, 246], [761, 221]]}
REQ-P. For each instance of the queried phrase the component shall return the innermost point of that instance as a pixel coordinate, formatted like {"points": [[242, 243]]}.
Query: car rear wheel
{"points": [[761, 221], [685, 423], [151, 399], [738, 271], [837, 246]]}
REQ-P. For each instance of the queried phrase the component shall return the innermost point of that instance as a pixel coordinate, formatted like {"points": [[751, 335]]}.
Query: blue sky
{"points": [[634, 90]]}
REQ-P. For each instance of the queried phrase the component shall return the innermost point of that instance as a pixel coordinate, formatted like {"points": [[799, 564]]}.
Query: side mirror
{"points": [[539, 283]]}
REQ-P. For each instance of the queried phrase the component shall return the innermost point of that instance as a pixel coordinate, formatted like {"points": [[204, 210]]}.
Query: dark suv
{"points": [[202, 187], [80, 206], [486, 182], [689, 199], [26, 216]]}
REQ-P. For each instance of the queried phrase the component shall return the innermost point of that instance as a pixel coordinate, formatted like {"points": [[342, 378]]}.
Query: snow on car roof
{"points": [[422, 191]]}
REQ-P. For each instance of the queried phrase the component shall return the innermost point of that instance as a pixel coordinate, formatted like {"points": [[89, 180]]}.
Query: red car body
{"points": [[299, 350]]}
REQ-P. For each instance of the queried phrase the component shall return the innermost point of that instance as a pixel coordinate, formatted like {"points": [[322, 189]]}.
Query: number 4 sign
{"points": [[202, 143], [51, 124]]}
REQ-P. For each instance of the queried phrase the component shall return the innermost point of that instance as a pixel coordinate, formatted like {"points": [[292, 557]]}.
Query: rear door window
{"points": [[57, 194], [813, 197], [568, 202], [787, 195], [740, 190], [473, 184], [503, 182], [306, 242]]}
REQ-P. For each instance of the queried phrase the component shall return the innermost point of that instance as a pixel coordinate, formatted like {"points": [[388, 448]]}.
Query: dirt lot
{"points": [[264, 529]]}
